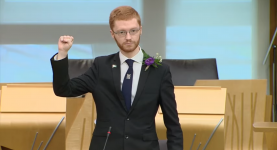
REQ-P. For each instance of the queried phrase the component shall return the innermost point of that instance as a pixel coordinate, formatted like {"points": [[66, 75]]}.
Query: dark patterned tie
{"points": [[127, 84]]}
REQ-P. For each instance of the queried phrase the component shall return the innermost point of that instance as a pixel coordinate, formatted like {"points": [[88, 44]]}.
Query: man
{"points": [[127, 93]]}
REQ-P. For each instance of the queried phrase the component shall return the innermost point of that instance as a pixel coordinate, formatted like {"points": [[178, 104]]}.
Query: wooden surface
{"points": [[37, 83], [245, 105], [268, 113], [265, 127], [79, 124], [31, 98], [199, 100], [201, 125], [270, 137], [0, 101], [18, 130], [200, 118]]}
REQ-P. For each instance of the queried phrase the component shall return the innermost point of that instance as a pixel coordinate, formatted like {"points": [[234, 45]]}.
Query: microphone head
{"points": [[110, 128]]}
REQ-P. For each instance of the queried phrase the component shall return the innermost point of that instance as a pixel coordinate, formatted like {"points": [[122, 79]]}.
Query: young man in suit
{"points": [[127, 93]]}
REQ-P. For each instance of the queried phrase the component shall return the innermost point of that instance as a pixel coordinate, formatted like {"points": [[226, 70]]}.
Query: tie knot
{"points": [[130, 62]]}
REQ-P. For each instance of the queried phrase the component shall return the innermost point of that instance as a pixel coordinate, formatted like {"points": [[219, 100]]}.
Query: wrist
{"points": [[61, 55]]}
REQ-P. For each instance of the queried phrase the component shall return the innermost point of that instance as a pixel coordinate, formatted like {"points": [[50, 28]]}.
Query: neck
{"points": [[130, 54]]}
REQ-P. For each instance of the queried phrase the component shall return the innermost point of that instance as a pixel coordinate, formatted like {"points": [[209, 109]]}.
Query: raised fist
{"points": [[65, 43]]}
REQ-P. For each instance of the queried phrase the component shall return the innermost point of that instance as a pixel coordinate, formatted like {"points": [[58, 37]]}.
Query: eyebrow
{"points": [[129, 30]]}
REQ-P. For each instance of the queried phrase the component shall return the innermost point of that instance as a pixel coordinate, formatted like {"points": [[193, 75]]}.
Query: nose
{"points": [[128, 36]]}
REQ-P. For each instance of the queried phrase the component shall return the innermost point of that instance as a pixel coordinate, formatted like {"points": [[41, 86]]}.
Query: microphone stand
{"points": [[273, 74]]}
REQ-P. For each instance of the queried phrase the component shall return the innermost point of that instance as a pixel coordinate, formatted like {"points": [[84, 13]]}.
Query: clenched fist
{"points": [[64, 44]]}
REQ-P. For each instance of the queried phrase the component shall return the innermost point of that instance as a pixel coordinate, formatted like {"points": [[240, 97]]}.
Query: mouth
{"points": [[128, 43]]}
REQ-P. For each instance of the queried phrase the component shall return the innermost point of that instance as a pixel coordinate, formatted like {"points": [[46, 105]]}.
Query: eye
{"points": [[134, 30], [121, 32]]}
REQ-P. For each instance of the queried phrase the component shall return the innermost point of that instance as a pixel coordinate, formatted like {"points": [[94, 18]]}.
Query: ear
{"points": [[112, 34], [140, 30]]}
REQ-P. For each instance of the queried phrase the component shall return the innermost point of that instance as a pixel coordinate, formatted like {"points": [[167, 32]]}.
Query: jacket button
{"points": [[126, 137], [127, 119]]}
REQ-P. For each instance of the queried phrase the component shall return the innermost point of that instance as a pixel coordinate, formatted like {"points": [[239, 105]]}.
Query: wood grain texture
{"points": [[201, 125], [268, 113], [79, 132], [31, 98], [199, 100], [245, 105], [270, 138], [18, 129], [265, 127], [200, 119]]}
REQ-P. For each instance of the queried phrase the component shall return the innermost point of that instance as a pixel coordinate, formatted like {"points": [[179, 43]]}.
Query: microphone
{"points": [[108, 134]]}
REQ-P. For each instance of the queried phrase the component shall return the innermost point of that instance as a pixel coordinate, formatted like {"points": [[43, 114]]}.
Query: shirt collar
{"points": [[137, 58]]}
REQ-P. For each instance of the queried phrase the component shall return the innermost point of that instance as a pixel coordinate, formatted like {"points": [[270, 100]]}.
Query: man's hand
{"points": [[64, 44]]}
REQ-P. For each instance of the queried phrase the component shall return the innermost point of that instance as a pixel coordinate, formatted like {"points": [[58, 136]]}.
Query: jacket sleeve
{"points": [[170, 114], [65, 87]]}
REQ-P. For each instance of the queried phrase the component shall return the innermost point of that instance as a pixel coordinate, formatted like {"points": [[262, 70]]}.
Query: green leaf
{"points": [[156, 60]]}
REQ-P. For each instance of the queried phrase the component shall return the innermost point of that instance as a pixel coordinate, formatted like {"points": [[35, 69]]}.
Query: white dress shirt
{"points": [[138, 58]]}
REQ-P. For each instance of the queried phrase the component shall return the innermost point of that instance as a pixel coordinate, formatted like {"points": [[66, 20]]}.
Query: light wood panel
{"points": [[200, 116], [245, 105], [31, 98], [201, 125], [18, 130], [199, 100], [79, 128], [265, 127]]}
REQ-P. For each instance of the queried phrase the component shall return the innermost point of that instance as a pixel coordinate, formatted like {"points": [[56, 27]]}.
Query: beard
{"points": [[128, 46]]}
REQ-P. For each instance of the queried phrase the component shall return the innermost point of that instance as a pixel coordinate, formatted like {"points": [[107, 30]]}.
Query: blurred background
{"points": [[235, 32]]}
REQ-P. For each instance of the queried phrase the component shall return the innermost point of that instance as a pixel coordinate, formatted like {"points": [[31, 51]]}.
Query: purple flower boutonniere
{"points": [[151, 61]]}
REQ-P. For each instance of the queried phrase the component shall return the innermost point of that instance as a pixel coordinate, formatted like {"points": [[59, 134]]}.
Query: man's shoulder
{"points": [[164, 66], [160, 69]]}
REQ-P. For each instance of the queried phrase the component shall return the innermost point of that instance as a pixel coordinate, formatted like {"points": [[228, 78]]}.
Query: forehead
{"points": [[125, 24]]}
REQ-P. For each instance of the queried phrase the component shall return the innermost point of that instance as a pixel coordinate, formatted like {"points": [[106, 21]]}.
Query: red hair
{"points": [[123, 13]]}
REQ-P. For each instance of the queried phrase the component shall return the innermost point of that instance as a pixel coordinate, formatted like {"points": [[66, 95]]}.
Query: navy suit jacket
{"points": [[131, 130]]}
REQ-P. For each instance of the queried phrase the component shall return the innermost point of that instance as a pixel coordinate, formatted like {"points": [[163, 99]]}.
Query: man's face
{"points": [[126, 34]]}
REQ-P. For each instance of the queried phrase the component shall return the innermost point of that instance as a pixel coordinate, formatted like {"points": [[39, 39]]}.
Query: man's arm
{"points": [[65, 87], [62, 84], [170, 114]]}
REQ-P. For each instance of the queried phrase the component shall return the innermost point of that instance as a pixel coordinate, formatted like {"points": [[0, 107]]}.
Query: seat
{"points": [[184, 71], [77, 67]]}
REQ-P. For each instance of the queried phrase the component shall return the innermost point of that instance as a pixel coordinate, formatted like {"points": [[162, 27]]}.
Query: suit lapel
{"points": [[116, 78], [141, 84]]}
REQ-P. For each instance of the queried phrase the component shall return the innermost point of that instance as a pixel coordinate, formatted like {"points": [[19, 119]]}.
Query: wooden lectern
{"points": [[32, 117], [201, 113], [246, 103]]}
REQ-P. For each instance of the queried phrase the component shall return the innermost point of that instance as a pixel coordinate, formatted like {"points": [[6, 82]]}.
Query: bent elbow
{"points": [[59, 92]]}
